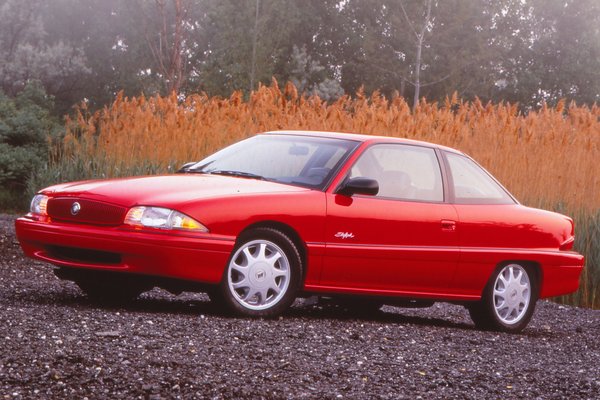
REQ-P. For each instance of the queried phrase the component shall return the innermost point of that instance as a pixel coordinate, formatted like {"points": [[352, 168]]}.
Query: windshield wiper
{"points": [[187, 168], [234, 173]]}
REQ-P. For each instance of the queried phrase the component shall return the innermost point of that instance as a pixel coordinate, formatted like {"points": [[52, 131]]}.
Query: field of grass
{"points": [[547, 158]]}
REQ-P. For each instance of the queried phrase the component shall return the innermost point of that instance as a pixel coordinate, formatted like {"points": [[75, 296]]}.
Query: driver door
{"points": [[402, 240]]}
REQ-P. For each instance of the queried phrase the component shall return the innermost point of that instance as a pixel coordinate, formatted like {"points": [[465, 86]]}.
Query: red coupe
{"points": [[376, 220]]}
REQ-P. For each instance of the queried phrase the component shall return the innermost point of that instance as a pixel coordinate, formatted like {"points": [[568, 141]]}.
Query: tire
{"points": [[112, 292], [262, 276], [508, 300]]}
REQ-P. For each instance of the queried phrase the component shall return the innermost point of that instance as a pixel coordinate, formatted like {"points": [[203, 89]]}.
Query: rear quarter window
{"points": [[471, 184]]}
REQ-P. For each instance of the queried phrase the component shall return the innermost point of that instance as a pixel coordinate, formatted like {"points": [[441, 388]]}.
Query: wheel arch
{"points": [[531, 265], [484, 313], [289, 232]]}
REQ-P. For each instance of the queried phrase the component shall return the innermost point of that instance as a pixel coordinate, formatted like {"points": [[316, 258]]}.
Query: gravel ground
{"points": [[56, 344]]}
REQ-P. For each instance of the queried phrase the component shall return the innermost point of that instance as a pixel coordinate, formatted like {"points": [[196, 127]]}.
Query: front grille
{"points": [[83, 255], [90, 211]]}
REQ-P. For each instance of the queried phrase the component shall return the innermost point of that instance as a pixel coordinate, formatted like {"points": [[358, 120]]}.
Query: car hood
{"points": [[166, 190]]}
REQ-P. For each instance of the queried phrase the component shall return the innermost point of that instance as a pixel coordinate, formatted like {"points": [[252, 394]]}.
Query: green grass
{"points": [[13, 201]]}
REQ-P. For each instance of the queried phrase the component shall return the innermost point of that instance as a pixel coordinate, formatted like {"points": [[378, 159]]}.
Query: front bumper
{"points": [[200, 258]]}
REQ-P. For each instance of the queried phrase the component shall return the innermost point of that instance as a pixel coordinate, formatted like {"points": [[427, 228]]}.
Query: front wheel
{"points": [[263, 274], [508, 300]]}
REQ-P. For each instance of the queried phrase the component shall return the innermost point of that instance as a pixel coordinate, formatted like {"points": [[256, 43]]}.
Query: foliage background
{"points": [[525, 51]]}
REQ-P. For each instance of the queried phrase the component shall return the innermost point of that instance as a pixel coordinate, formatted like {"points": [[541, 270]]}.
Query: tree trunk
{"points": [[168, 52], [420, 39], [176, 69], [402, 87], [417, 81], [254, 43]]}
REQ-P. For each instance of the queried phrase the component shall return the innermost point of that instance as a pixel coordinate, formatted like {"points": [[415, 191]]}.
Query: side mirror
{"points": [[352, 186], [185, 166]]}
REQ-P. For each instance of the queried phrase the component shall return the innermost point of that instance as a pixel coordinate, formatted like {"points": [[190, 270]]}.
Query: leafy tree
{"points": [[418, 47], [458, 55], [364, 47], [27, 53], [110, 34], [235, 32], [25, 126], [551, 51], [310, 77], [526, 51]]}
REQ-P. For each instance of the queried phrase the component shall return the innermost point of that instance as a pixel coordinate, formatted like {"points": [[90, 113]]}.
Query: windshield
{"points": [[296, 160]]}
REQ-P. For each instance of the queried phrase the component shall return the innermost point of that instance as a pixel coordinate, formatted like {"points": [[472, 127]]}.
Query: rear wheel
{"points": [[263, 274], [508, 300]]}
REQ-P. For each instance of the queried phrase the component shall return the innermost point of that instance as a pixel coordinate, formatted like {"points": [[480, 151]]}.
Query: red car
{"points": [[376, 220]]}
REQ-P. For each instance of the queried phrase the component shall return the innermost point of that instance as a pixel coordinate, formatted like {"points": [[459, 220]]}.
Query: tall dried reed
{"points": [[545, 158]]}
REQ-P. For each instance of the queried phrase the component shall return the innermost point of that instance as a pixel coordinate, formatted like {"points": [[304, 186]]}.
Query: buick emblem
{"points": [[75, 208]]}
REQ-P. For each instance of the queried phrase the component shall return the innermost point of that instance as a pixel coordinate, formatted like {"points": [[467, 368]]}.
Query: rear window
{"points": [[472, 184]]}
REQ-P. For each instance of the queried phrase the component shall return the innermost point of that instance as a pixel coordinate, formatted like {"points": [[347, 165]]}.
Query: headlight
{"points": [[39, 205], [162, 218]]}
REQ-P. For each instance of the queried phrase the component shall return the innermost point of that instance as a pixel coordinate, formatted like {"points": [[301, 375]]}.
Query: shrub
{"points": [[25, 125], [25, 128]]}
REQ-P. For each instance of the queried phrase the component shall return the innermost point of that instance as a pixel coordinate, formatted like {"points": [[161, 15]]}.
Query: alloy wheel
{"points": [[258, 274], [512, 294]]}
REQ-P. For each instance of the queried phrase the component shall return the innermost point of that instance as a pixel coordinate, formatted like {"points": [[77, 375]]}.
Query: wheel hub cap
{"points": [[258, 274], [512, 294]]}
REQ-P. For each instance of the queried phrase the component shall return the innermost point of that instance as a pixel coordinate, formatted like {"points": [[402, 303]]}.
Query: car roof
{"points": [[362, 138]]}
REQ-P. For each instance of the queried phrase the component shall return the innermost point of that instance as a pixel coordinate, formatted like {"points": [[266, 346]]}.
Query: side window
{"points": [[403, 172], [472, 185]]}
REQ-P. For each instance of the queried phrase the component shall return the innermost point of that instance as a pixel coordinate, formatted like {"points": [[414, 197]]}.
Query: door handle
{"points": [[448, 225]]}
